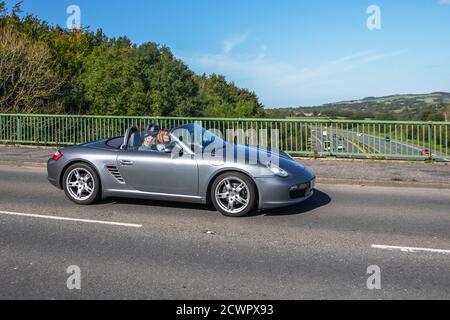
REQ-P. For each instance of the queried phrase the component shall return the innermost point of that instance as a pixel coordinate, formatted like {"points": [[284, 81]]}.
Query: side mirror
{"points": [[174, 147], [171, 150], [168, 149]]}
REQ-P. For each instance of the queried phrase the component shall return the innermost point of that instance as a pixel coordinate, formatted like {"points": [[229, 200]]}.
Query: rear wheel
{"points": [[233, 194], [81, 184]]}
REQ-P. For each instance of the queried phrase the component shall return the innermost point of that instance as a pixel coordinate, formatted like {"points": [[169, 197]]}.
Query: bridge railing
{"points": [[299, 137]]}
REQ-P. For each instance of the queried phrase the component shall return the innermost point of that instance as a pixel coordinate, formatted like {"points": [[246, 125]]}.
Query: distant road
{"points": [[381, 145], [346, 145], [360, 143]]}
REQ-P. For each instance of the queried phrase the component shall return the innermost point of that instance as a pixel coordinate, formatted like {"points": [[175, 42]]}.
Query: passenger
{"points": [[149, 143]]}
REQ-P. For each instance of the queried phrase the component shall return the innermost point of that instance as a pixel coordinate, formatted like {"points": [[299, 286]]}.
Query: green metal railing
{"points": [[301, 137]]}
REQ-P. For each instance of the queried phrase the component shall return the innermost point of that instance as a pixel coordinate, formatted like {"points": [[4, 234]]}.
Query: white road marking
{"points": [[132, 225], [410, 249]]}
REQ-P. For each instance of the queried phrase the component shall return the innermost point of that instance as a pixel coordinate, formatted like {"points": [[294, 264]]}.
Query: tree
{"points": [[223, 99], [120, 43], [28, 81], [168, 83], [110, 85], [115, 76], [3, 11], [386, 116]]}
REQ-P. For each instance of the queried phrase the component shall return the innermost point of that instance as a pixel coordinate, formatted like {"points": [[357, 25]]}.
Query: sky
{"points": [[289, 52]]}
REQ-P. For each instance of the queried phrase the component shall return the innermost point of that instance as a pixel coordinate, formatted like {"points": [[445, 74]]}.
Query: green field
{"points": [[414, 107]]}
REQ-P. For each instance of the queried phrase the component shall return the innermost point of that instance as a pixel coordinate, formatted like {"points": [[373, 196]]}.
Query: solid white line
{"points": [[409, 249], [132, 225]]}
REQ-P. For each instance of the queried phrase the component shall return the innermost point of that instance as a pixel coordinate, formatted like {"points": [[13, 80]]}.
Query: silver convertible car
{"points": [[185, 164]]}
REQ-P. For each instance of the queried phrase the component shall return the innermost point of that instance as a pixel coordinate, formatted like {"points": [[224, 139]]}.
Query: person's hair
{"points": [[162, 133]]}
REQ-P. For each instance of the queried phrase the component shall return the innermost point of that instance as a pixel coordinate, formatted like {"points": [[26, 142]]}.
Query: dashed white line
{"points": [[131, 225], [410, 249]]}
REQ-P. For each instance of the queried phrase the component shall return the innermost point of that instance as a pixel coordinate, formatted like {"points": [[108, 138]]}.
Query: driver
{"points": [[162, 140]]}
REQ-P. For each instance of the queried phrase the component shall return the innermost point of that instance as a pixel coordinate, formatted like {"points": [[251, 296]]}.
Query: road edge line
{"points": [[409, 249], [30, 215]]}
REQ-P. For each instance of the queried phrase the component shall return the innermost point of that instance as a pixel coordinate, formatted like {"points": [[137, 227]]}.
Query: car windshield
{"points": [[196, 136], [150, 140]]}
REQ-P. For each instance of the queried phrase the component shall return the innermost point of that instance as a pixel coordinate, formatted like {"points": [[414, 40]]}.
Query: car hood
{"points": [[264, 156]]}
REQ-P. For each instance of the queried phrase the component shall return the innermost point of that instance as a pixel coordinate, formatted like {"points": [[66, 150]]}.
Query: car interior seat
{"points": [[135, 141], [153, 128], [138, 140]]}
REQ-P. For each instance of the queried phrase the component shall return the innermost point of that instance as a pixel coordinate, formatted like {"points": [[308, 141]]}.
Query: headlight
{"points": [[277, 170]]}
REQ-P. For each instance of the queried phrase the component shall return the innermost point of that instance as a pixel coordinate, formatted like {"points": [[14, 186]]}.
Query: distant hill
{"points": [[425, 107]]}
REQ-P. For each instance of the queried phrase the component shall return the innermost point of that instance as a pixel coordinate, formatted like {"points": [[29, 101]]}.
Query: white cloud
{"points": [[231, 43], [385, 55], [282, 84], [444, 2]]}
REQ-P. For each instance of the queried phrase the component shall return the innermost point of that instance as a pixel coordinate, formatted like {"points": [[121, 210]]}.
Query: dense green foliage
{"points": [[420, 107], [226, 100], [109, 83], [98, 75]]}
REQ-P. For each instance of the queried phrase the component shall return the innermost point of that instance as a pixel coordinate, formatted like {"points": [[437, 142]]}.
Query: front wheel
{"points": [[81, 184], [233, 194]]}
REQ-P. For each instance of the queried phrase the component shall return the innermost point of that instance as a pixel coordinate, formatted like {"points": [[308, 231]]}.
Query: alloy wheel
{"points": [[80, 184], [232, 195]]}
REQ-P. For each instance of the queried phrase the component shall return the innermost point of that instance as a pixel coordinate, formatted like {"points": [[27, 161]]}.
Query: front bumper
{"points": [[275, 192]]}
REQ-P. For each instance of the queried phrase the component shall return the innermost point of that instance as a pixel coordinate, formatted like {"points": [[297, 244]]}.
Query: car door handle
{"points": [[126, 162]]}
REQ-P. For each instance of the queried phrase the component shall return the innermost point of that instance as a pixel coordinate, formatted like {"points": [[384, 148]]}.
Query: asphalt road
{"points": [[381, 145], [352, 143], [317, 250], [336, 139]]}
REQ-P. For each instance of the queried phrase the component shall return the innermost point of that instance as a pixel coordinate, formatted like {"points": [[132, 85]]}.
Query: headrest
{"points": [[151, 130]]}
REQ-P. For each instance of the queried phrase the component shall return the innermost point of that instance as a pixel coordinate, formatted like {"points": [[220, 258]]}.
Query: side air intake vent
{"points": [[116, 174]]}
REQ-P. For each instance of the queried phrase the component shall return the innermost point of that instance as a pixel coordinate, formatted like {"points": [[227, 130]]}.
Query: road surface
{"points": [[381, 145], [353, 142], [347, 145], [129, 249]]}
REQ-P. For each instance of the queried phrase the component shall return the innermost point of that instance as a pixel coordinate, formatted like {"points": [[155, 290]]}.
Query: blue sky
{"points": [[290, 52]]}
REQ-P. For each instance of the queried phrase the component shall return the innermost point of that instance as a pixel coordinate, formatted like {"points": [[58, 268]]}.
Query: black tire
{"points": [[94, 184], [236, 180]]}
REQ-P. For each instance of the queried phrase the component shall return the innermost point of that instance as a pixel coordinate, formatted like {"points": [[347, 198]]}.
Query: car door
{"points": [[159, 172]]}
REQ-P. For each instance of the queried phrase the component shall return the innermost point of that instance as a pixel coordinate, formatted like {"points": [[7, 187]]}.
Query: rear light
{"points": [[57, 155]]}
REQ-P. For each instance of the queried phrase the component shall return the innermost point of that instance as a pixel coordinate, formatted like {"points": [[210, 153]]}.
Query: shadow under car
{"points": [[319, 199]]}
